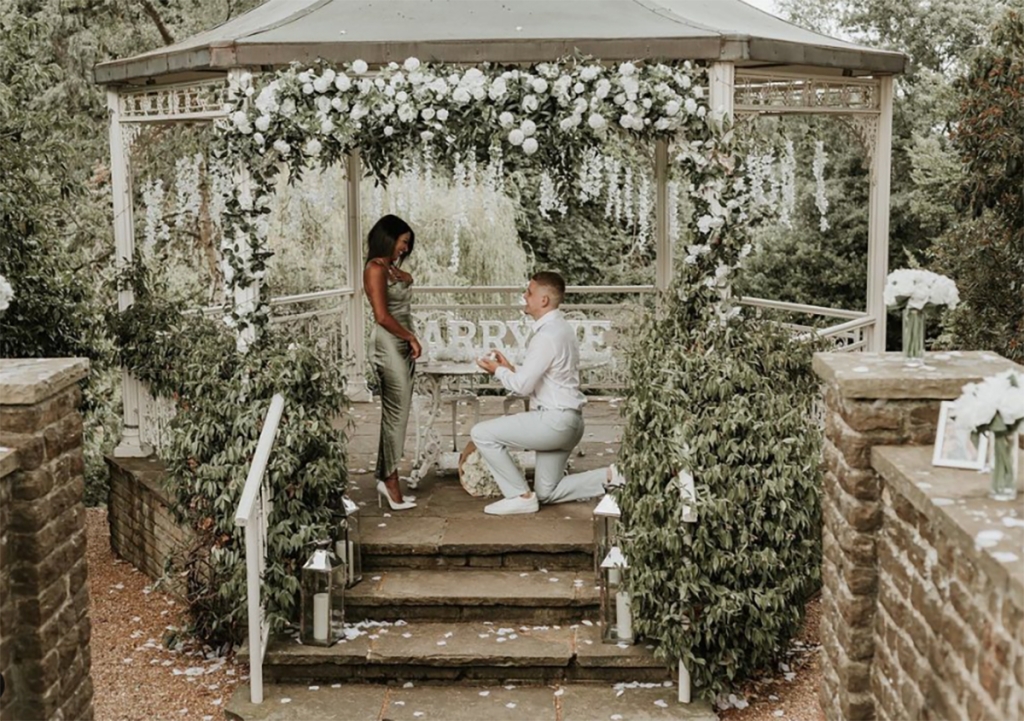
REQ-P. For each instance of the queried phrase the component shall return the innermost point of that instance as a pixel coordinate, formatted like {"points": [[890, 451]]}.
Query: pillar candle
{"points": [[614, 577], [623, 616], [684, 683], [321, 616]]}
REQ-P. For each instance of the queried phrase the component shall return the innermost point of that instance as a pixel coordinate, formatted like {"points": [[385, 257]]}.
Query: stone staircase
{"points": [[457, 611]]}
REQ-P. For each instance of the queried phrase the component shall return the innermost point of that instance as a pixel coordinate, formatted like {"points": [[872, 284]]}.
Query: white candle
{"points": [[321, 616], [684, 683], [614, 577], [344, 551], [623, 617]]}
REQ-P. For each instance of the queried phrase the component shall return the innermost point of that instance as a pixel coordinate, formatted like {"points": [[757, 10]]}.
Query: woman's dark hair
{"points": [[383, 236]]}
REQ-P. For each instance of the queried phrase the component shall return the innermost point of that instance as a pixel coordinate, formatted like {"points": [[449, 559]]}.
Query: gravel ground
{"points": [[792, 692], [135, 677]]}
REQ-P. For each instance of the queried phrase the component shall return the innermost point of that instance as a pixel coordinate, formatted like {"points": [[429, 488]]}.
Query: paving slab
{"points": [[426, 703], [506, 534], [468, 588], [404, 535], [309, 703], [474, 644], [591, 651], [580, 702]]}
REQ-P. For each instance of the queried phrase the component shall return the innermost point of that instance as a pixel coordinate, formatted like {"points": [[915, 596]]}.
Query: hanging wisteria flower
{"points": [[820, 199], [918, 288], [6, 293]]}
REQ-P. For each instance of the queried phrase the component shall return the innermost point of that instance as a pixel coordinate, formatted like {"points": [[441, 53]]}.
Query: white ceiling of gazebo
{"points": [[505, 31]]}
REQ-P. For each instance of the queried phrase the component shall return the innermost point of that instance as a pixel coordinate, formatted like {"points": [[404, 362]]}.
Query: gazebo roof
{"points": [[504, 31]]}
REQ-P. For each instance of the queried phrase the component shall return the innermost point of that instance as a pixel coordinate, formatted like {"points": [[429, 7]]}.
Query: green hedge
{"points": [[735, 405]]}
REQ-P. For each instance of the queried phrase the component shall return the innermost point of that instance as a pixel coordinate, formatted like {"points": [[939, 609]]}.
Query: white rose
{"points": [[387, 108], [329, 75], [326, 127], [530, 146], [539, 85], [359, 67], [569, 123], [530, 103], [498, 89], [516, 137], [597, 121], [619, 99], [282, 147], [388, 131], [506, 119], [342, 82], [389, 91], [698, 92], [288, 107], [684, 81], [313, 147], [305, 76], [238, 118], [626, 121], [426, 135], [401, 97], [461, 95], [691, 106], [646, 102], [604, 86], [338, 104], [365, 86], [259, 139], [307, 89], [702, 111], [631, 107], [590, 72], [528, 127], [323, 103], [627, 69], [321, 84], [411, 64], [406, 113], [442, 114], [671, 107], [427, 113], [662, 124], [479, 93]]}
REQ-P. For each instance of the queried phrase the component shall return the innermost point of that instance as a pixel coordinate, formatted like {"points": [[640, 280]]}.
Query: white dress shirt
{"points": [[550, 373]]}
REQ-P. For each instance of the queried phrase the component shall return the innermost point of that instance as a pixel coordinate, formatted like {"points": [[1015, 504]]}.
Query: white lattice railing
{"points": [[848, 334], [254, 510]]}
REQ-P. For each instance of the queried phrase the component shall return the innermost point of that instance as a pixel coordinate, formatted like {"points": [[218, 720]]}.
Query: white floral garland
{"points": [[820, 199], [549, 114]]}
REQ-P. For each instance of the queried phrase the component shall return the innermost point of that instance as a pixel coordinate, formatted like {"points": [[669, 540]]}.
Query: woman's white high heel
{"points": [[382, 492]]}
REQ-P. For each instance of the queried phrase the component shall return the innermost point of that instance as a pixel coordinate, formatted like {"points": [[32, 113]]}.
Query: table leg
{"points": [[428, 441]]}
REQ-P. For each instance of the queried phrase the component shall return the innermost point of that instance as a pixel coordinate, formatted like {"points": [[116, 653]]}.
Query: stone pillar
{"points": [[872, 399], [44, 639]]}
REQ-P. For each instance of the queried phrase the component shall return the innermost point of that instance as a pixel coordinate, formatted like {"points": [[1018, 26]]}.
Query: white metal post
{"points": [[663, 261], [131, 445], [878, 217], [357, 388]]}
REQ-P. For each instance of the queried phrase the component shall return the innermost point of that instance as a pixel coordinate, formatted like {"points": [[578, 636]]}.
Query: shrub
{"points": [[221, 398], [734, 405]]}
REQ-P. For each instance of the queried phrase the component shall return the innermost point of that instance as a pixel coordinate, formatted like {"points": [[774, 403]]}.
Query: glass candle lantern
{"points": [[616, 611], [606, 530], [348, 542], [323, 598]]}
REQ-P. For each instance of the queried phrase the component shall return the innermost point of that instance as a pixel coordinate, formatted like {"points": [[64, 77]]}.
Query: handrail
{"points": [[582, 289], [252, 516], [800, 307]]}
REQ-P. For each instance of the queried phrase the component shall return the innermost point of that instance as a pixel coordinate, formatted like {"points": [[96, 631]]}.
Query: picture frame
{"points": [[954, 447]]}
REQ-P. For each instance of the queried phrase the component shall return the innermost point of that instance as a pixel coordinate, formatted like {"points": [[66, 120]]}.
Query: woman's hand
{"points": [[415, 348]]}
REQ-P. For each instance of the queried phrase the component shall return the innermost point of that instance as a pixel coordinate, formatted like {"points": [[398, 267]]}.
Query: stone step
{"points": [[361, 702], [543, 596], [475, 652], [524, 543]]}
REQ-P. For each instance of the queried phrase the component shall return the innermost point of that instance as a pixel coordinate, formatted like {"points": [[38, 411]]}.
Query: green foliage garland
{"points": [[733, 404], [221, 399]]}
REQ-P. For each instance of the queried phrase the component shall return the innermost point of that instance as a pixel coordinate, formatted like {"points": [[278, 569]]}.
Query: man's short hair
{"points": [[553, 282]]}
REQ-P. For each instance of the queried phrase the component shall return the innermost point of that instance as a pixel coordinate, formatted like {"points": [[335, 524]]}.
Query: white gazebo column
{"points": [[722, 87], [878, 217], [357, 388], [131, 445]]}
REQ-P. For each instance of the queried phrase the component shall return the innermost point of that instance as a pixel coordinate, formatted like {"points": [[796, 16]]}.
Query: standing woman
{"points": [[395, 348]]}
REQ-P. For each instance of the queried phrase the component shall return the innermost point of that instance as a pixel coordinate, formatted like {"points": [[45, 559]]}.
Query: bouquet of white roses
{"points": [[915, 288], [995, 404]]}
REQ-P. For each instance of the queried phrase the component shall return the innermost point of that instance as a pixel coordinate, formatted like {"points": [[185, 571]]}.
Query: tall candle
{"points": [[614, 577], [684, 683], [623, 617], [321, 616]]}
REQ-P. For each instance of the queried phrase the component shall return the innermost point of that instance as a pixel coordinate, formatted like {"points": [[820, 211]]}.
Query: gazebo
{"points": [[758, 65]]}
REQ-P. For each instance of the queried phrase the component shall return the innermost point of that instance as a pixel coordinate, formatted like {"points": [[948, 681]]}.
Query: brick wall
{"points": [[142, 527], [8, 618], [45, 629], [880, 661]]}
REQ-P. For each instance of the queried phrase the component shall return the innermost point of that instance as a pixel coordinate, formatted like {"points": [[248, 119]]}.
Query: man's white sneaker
{"points": [[511, 506]]}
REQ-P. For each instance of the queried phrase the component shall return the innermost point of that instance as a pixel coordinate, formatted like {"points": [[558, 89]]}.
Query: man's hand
{"points": [[499, 360]]}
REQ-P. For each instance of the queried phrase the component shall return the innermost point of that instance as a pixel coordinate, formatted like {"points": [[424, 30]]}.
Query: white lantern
{"points": [[348, 541], [616, 611], [606, 530], [323, 598]]}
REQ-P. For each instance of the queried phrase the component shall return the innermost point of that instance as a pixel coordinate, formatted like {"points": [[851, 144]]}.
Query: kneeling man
{"points": [[550, 377]]}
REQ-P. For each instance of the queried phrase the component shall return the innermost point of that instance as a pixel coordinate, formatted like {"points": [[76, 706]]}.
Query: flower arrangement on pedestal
{"points": [[914, 291], [996, 406]]}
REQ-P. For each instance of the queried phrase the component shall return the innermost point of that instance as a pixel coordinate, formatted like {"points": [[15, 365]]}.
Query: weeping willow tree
{"points": [[732, 404]]}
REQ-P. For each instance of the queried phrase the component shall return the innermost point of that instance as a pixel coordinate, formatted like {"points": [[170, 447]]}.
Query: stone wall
{"points": [[883, 540], [142, 527], [45, 632]]}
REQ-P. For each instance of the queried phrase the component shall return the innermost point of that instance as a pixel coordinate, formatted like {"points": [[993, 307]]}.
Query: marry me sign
{"points": [[463, 340]]}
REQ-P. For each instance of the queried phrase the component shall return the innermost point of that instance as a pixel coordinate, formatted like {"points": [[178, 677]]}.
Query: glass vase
{"points": [[913, 334], [1004, 466]]}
